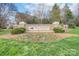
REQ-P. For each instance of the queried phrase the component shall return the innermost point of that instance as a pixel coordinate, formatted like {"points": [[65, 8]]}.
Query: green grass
{"points": [[67, 47], [5, 31], [74, 31]]}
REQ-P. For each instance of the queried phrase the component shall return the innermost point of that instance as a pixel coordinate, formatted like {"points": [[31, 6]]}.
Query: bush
{"points": [[58, 30], [0, 29], [71, 25], [18, 30]]}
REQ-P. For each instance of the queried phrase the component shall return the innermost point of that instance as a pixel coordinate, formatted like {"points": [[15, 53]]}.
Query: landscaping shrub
{"points": [[0, 29], [58, 30], [71, 25], [18, 30]]}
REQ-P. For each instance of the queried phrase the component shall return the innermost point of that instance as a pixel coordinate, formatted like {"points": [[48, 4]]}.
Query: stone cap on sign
{"points": [[55, 23], [22, 23]]}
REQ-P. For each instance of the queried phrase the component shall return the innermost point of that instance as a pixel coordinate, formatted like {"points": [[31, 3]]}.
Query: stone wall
{"points": [[41, 27], [38, 27]]}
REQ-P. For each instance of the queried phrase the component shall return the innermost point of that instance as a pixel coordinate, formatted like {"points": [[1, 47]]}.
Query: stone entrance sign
{"points": [[38, 27]]}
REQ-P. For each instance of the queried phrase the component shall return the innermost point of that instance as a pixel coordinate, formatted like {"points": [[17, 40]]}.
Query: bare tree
{"points": [[40, 12], [6, 10], [2, 22]]}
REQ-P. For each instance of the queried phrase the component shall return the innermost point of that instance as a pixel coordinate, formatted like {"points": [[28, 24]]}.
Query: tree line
{"points": [[42, 15], [64, 15]]}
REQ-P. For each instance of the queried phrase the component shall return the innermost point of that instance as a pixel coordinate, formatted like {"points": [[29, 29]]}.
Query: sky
{"points": [[30, 7]]}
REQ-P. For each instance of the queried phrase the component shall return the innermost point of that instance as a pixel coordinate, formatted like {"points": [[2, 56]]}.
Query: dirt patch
{"points": [[58, 35], [8, 36], [65, 35]]}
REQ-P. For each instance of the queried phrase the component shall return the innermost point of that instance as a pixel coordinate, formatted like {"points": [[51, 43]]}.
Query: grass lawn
{"points": [[5, 31], [74, 31], [67, 47]]}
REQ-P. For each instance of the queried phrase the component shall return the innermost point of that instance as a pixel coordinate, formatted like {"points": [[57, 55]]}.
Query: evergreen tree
{"points": [[77, 15], [55, 14], [68, 15]]}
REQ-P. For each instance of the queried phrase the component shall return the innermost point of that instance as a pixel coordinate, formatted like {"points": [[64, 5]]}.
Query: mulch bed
{"points": [[41, 36]]}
